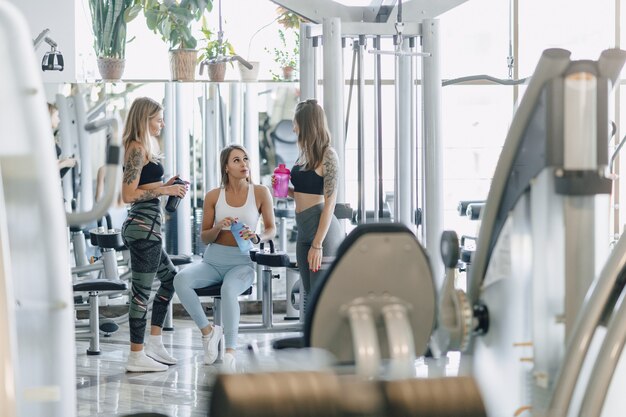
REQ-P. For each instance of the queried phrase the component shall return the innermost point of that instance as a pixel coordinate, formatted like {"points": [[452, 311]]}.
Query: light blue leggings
{"points": [[224, 265]]}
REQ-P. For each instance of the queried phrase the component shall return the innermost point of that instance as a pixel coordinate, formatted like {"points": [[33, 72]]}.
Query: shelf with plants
{"points": [[214, 49], [108, 20], [173, 20], [287, 55]]}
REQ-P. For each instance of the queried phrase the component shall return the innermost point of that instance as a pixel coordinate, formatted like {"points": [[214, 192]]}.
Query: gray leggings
{"points": [[142, 234], [307, 222]]}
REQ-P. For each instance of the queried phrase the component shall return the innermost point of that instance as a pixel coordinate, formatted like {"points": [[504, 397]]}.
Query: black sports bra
{"points": [[308, 182], [151, 172]]}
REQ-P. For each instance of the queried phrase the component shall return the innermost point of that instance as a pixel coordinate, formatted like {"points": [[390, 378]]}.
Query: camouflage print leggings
{"points": [[142, 235]]}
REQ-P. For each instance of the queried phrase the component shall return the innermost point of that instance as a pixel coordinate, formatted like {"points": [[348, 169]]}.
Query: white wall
{"points": [[58, 16], [147, 55]]}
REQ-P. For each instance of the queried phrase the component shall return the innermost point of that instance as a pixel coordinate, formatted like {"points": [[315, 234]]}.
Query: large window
{"points": [[477, 37]]}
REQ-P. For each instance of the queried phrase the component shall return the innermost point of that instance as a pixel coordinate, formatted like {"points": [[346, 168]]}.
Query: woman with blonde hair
{"points": [[237, 200], [141, 187]]}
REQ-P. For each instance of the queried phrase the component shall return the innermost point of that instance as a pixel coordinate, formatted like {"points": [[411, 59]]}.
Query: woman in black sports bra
{"points": [[314, 179], [141, 187]]}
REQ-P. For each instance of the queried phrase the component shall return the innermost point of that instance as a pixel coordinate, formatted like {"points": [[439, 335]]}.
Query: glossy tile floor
{"points": [[104, 388]]}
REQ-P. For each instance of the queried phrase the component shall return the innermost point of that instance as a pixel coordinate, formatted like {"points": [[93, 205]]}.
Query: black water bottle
{"points": [[173, 201]]}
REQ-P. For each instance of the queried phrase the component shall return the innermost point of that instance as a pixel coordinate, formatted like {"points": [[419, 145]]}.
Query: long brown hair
{"points": [[313, 134], [224, 155], [137, 128]]}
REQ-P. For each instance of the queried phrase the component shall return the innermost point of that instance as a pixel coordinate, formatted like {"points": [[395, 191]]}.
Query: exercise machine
{"points": [[542, 242], [36, 300], [376, 303]]}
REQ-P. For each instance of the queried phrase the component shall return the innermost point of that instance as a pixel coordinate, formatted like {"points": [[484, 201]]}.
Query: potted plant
{"points": [[213, 54], [248, 74], [173, 19], [108, 19], [288, 55]]}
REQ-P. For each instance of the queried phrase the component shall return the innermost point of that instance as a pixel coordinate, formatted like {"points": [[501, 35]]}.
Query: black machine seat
{"points": [[272, 258], [93, 285], [215, 291], [379, 261], [107, 239], [181, 259], [284, 212]]}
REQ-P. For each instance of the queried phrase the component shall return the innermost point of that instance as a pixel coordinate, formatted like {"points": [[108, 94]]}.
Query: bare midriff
{"points": [[226, 238], [305, 201]]}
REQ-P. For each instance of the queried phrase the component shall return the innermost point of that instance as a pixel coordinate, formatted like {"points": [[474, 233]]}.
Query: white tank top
{"points": [[247, 214]]}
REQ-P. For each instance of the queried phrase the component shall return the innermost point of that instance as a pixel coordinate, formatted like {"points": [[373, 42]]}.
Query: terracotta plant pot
{"points": [[183, 64], [217, 72], [249, 74], [288, 73], [111, 68]]}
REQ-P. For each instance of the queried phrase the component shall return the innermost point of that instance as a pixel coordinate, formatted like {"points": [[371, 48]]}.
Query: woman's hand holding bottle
{"points": [[247, 234], [176, 186]]}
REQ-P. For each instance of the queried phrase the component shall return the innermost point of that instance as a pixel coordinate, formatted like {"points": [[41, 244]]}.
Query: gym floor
{"points": [[104, 388]]}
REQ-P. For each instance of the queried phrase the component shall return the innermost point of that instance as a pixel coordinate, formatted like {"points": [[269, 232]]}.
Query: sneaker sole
{"points": [[143, 369], [160, 359]]}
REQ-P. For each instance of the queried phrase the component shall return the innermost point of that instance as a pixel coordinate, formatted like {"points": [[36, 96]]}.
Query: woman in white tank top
{"points": [[223, 263]]}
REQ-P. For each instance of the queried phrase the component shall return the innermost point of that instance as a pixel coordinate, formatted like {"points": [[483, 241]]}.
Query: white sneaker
{"points": [[229, 365], [158, 353], [211, 345], [139, 362]]}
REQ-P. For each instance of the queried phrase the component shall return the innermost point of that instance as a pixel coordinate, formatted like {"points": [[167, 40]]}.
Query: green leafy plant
{"points": [[286, 56], [108, 19], [214, 48], [288, 19], [172, 19]]}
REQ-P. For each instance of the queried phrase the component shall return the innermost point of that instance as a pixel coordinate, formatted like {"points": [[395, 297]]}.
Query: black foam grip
{"points": [[113, 158]]}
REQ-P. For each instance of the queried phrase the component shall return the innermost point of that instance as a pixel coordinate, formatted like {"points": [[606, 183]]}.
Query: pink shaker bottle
{"points": [[281, 183]]}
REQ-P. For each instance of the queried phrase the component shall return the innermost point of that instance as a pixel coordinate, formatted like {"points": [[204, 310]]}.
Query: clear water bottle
{"points": [[244, 245], [281, 181], [173, 201]]}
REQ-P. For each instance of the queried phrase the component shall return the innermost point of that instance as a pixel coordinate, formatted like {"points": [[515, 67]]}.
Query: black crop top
{"points": [[151, 172], [308, 182]]}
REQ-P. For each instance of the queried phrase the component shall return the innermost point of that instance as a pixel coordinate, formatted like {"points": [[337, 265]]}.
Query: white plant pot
{"points": [[249, 74]]}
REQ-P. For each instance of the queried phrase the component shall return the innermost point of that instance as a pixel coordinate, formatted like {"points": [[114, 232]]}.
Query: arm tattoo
{"points": [[331, 176], [147, 195], [134, 164], [132, 170]]}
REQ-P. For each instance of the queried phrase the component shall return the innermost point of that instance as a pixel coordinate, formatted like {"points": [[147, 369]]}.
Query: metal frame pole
{"points": [[68, 139], [404, 94], [378, 135], [211, 129], [307, 63], [183, 215], [235, 113], [251, 129], [169, 147], [362, 214], [84, 140], [333, 94], [432, 145]]}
